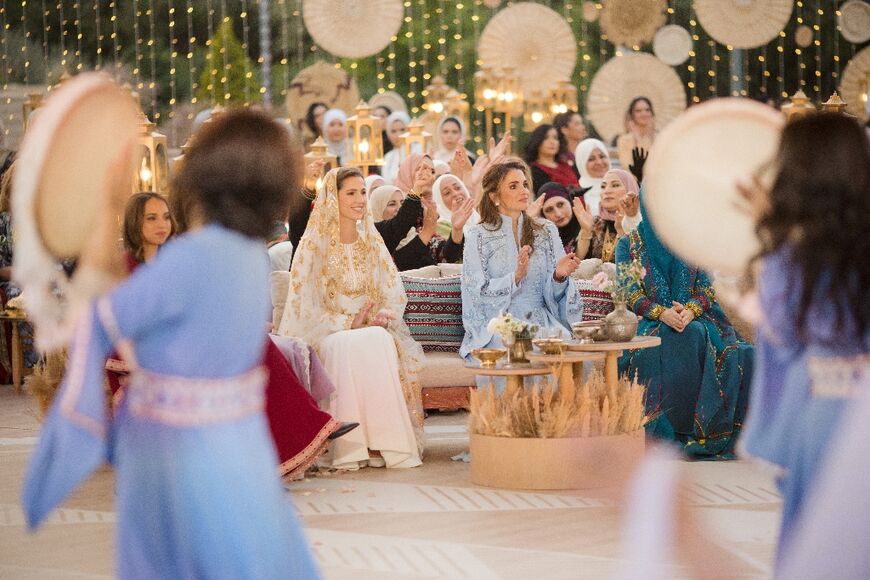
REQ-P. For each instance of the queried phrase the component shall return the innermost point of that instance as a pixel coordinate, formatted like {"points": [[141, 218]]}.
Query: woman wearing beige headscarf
{"points": [[346, 299]]}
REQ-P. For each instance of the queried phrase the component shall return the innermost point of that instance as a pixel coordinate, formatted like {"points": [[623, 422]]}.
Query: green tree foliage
{"points": [[229, 77]]}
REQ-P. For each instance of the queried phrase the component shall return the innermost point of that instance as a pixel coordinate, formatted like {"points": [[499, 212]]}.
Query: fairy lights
{"points": [[191, 66], [152, 84], [210, 63], [99, 34], [173, 54], [116, 45], [285, 47], [227, 66], [137, 46], [246, 33], [24, 50], [7, 69]]}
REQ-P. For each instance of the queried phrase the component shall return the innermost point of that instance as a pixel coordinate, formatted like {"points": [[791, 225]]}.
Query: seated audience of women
{"points": [[698, 379], [600, 234], [545, 154], [450, 137], [385, 202], [593, 162], [451, 195], [640, 132], [556, 204], [346, 298], [395, 126], [572, 129], [335, 132], [814, 303], [422, 246], [514, 263]]}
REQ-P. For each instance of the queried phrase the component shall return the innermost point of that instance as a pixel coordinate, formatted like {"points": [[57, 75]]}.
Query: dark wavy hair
{"points": [[820, 210], [636, 100], [489, 214], [134, 216], [530, 154], [309, 117], [242, 172]]}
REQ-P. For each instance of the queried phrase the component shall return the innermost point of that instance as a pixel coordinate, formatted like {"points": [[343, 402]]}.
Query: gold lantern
{"points": [[33, 101], [510, 97], [320, 152], [486, 95], [365, 146], [799, 106], [563, 98], [456, 106], [835, 104], [536, 110], [437, 96], [416, 140], [152, 166]]}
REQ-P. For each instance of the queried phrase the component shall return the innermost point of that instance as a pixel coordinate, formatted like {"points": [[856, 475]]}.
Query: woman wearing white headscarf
{"points": [[593, 162], [385, 202], [335, 132], [346, 299], [450, 194], [395, 125], [373, 182], [451, 137]]}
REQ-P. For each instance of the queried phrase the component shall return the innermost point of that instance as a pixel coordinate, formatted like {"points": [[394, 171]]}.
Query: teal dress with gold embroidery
{"points": [[697, 380]]}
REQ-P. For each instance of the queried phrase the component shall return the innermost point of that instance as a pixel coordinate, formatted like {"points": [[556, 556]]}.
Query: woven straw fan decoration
{"points": [[855, 84], [353, 28], [623, 78], [632, 22], [743, 23], [533, 39], [672, 44], [320, 82], [854, 21], [389, 99]]}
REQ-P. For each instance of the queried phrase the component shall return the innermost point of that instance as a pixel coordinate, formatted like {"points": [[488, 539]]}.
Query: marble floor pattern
{"points": [[428, 522]]}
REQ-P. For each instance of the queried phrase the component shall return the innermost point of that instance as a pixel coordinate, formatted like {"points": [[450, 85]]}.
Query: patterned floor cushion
{"points": [[596, 303], [434, 311]]}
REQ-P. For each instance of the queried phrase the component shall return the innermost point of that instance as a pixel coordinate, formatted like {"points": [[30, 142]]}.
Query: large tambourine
{"points": [[691, 177], [61, 170]]}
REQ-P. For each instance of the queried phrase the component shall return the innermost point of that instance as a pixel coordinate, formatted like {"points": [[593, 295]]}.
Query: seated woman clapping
{"points": [[514, 263], [346, 298]]}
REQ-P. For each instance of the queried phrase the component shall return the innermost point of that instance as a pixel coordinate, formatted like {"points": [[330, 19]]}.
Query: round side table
{"points": [[612, 352], [568, 366], [513, 373]]}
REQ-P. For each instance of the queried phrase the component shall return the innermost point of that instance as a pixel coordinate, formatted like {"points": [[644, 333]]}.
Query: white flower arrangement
{"points": [[506, 324], [627, 274]]}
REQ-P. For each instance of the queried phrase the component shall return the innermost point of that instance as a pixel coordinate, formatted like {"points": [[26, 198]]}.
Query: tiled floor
{"points": [[429, 522]]}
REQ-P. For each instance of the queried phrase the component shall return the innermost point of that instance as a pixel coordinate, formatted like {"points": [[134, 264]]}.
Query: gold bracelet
{"points": [[413, 194], [695, 308], [308, 194], [656, 312]]}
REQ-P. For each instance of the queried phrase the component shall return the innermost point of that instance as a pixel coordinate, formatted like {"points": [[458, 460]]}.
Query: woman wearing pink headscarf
{"points": [[599, 234]]}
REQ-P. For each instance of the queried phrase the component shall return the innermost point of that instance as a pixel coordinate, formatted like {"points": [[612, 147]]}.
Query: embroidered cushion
{"points": [[434, 312], [596, 303]]}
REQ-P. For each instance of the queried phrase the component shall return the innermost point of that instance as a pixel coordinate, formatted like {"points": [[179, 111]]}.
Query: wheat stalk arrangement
{"points": [[540, 411]]}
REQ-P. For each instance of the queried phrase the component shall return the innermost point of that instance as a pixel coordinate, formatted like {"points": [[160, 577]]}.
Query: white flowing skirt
{"points": [[364, 366]]}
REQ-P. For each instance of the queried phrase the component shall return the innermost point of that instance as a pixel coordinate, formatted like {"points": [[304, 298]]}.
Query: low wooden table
{"points": [[16, 316], [569, 365], [513, 373], [612, 352]]}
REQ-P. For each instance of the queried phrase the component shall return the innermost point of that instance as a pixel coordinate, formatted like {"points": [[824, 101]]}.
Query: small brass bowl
{"points": [[550, 345], [588, 331], [488, 356]]}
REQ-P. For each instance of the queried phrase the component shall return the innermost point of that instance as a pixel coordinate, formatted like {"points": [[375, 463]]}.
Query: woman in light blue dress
{"points": [[814, 293], [198, 494], [514, 263]]}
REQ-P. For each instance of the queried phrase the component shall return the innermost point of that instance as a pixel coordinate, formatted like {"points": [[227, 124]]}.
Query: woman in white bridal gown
{"points": [[346, 299]]}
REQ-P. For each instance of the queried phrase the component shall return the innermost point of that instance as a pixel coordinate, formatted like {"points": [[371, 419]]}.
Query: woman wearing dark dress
{"points": [[546, 155]]}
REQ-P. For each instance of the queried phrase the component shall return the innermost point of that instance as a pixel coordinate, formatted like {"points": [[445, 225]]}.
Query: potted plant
{"points": [[541, 438], [516, 335]]}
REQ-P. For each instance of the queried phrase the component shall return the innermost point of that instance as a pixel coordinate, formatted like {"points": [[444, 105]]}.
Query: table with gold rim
{"points": [[512, 373], [568, 366], [612, 352]]}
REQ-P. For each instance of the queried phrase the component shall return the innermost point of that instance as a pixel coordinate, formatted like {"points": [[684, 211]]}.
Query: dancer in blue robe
{"points": [[198, 494]]}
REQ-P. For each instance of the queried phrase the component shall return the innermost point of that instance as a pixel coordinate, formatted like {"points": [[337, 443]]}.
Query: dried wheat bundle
{"points": [[539, 411]]}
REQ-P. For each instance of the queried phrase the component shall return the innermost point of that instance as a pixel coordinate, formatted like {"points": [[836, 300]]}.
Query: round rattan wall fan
{"points": [[854, 21], [320, 82], [623, 78], [632, 22], [353, 28], [533, 39], [672, 44], [855, 84], [743, 23]]}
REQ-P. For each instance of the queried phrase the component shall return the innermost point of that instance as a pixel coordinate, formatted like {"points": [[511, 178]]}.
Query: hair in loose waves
{"points": [[490, 217], [134, 218], [820, 210]]}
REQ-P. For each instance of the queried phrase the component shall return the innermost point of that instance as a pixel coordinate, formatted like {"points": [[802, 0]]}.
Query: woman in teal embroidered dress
{"points": [[698, 379]]}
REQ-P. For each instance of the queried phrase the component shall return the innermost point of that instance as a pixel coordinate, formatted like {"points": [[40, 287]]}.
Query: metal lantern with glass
{"points": [[510, 97], [320, 152], [416, 139], [365, 145], [535, 110], [563, 98], [485, 95]]}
